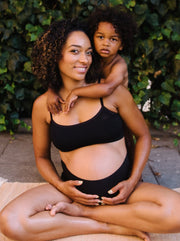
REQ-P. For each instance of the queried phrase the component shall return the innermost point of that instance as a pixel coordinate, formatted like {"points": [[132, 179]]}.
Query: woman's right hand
{"points": [[70, 190]]}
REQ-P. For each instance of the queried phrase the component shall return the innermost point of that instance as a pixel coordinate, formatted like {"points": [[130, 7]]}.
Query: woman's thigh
{"points": [[35, 200], [153, 193]]}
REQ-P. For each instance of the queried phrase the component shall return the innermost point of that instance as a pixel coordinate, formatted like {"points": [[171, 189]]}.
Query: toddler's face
{"points": [[106, 41]]}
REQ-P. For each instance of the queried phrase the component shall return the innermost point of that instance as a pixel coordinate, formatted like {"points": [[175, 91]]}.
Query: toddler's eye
{"points": [[114, 39], [100, 37]]}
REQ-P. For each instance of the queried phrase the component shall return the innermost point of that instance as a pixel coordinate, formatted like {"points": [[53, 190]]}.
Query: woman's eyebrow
{"points": [[77, 46]]}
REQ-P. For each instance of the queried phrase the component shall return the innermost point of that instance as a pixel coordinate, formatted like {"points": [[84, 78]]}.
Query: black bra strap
{"points": [[101, 100], [50, 115]]}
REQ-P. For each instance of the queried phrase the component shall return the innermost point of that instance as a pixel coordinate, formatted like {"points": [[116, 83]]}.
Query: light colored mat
{"points": [[2, 180], [9, 191]]}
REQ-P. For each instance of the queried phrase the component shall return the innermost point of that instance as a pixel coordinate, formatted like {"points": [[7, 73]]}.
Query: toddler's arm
{"points": [[54, 101], [118, 75]]}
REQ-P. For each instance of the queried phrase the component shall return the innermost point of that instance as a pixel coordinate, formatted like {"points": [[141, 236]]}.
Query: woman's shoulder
{"points": [[40, 105], [121, 92], [120, 96], [40, 101]]}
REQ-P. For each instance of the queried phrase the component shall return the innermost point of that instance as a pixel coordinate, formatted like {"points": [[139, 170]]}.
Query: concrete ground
{"points": [[17, 163]]}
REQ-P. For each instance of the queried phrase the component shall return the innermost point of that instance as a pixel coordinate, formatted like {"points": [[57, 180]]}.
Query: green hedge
{"points": [[156, 55]]}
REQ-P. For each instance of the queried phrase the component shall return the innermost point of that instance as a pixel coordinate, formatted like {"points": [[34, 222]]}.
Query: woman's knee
{"points": [[171, 215], [12, 224]]}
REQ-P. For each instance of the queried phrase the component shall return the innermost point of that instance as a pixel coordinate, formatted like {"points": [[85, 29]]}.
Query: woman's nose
{"points": [[83, 58]]}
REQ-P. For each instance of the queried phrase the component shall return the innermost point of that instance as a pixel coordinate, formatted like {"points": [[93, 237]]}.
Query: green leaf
{"points": [[165, 98], [175, 105], [175, 36], [166, 32], [162, 9], [33, 36], [149, 46], [177, 83], [2, 119], [16, 42], [2, 128], [171, 4], [177, 56], [27, 67], [176, 115], [2, 71], [14, 115], [10, 88], [168, 87], [169, 24], [6, 34], [13, 61], [140, 8], [3, 6], [155, 2], [46, 21], [116, 2], [19, 94], [30, 27], [81, 1], [153, 19], [3, 59], [176, 142]]}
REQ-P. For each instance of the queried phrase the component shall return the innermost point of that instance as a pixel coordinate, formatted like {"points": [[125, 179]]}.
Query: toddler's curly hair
{"points": [[121, 19]]}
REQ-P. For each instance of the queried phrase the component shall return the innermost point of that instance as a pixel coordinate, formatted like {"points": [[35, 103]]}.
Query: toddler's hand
{"points": [[54, 102], [70, 101]]}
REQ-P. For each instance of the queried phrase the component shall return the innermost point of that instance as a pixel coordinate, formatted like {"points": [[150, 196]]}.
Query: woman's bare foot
{"points": [[72, 209], [76, 209], [128, 231]]}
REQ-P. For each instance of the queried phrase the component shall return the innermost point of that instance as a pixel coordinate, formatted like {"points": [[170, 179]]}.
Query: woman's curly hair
{"points": [[47, 52], [121, 19]]}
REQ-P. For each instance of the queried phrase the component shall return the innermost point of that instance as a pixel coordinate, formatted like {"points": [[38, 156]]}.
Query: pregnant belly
{"points": [[96, 161]]}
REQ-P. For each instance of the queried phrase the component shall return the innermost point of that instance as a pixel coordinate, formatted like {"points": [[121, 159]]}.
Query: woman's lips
{"points": [[81, 69]]}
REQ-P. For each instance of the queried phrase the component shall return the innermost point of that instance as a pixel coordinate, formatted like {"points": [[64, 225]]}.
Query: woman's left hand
{"points": [[125, 188]]}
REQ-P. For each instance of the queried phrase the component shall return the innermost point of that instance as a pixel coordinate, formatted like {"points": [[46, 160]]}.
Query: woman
{"points": [[91, 145]]}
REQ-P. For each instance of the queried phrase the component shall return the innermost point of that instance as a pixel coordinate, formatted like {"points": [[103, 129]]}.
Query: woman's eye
{"points": [[89, 53], [74, 51]]}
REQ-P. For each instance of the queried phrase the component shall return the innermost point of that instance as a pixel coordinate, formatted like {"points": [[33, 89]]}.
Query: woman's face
{"points": [[76, 57]]}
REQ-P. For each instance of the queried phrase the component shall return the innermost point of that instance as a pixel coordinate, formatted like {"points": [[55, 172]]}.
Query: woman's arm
{"points": [[135, 122], [42, 145], [41, 141]]}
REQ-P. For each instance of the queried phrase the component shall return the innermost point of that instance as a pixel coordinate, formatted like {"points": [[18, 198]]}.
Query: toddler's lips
{"points": [[104, 51]]}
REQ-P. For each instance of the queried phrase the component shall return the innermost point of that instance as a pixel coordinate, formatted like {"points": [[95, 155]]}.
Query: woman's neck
{"points": [[68, 86]]}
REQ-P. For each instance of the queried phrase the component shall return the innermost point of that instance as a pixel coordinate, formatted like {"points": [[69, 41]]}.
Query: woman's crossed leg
{"points": [[151, 208], [25, 218]]}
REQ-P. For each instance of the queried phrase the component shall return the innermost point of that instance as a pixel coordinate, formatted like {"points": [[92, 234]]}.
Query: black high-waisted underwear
{"points": [[102, 186]]}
